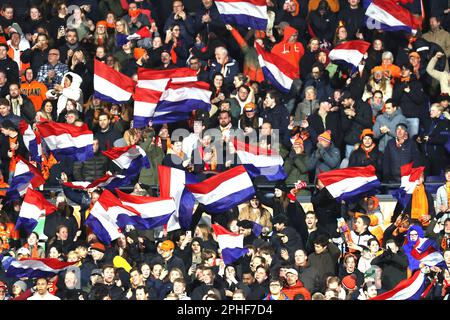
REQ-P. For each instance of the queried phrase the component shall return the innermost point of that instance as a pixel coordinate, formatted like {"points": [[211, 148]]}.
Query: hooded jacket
{"points": [[391, 121], [72, 92], [413, 264], [291, 52]]}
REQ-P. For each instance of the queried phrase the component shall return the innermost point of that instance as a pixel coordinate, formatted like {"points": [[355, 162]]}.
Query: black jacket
{"points": [[324, 26], [92, 168], [4, 148], [332, 122], [411, 102], [327, 211], [10, 67], [353, 127], [278, 117], [353, 20], [27, 111], [106, 139], [394, 158], [36, 58], [393, 266], [358, 158]]}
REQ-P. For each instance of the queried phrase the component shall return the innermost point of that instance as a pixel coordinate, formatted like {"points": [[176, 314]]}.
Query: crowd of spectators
{"points": [[390, 111]]}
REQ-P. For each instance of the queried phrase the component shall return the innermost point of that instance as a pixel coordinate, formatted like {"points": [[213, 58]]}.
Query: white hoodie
{"points": [[73, 92]]}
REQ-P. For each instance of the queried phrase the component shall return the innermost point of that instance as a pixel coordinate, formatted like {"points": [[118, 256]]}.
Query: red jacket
{"points": [[297, 288], [291, 52]]}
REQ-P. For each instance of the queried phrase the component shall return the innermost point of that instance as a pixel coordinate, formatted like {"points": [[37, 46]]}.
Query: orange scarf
{"points": [[34, 250], [368, 150], [419, 202], [447, 187]]}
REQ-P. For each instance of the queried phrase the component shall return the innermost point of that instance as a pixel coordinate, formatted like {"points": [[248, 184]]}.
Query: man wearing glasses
{"points": [[53, 71]]}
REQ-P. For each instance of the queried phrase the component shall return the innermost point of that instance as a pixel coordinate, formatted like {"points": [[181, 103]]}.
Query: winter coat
{"points": [[106, 139], [324, 26], [322, 85], [310, 278], [393, 268], [155, 154], [442, 76], [4, 148], [395, 157], [358, 158], [410, 102], [332, 123], [263, 219], [353, 127], [278, 117], [91, 169], [323, 160], [73, 92], [353, 20], [296, 167], [434, 148], [325, 263], [297, 288], [305, 109], [391, 121], [440, 37], [231, 69], [327, 211]]}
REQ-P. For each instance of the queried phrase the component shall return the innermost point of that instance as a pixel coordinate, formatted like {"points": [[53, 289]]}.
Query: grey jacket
{"points": [[391, 121], [305, 108], [442, 199], [323, 160]]}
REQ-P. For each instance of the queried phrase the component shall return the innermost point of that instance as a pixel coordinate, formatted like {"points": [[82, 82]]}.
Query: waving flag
{"points": [[172, 183], [179, 99], [67, 140], [32, 141], [244, 13], [25, 176], [230, 244], [260, 162], [409, 181], [138, 35], [351, 52], [130, 158], [36, 268], [151, 85], [33, 206], [350, 184], [111, 85], [154, 212], [108, 181], [102, 222], [388, 15], [427, 252], [224, 190], [276, 71], [408, 289]]}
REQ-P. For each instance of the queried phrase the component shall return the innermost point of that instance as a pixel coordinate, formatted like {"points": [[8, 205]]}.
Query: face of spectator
{"points": [[315, 45], [374, 247], [103, 122], [275, 288], [387, 61], [208, 277], [447, 257], [224, 119], [120, 27], [218, 81], [237, 82], [145, 269], [322, 57], [434, 24], [401, 132], [260, 275], [194, 63], [315, 72], [415, 61], [353, 3], [43, 41], [108, 275], [3, 52], [177, 7], [165, 58], [221, 54], [367, 141], [378, 98], [371, 292], [71, 37], [100, 52], [3, 79], [266, 129], [63, 234], [238, 296], [269, 101], [141, 295], [16, 290], [34, 14], [318, 249], [435, 112], [41, 286], [32, 239], [311, 221], [300, 257], [389, 108], [178, 287], [350, 264], [247, 279], [14, 91], [342, 33], [53, 253], [406, 72], [293, 38], [359, 225], [53, 57], [310, 94], [377, 45], [70, 280], [62, 10], [8, 13], [15, 39], [176, 32], [136, 277], [70, 118], [243, 94], [207, 3]]}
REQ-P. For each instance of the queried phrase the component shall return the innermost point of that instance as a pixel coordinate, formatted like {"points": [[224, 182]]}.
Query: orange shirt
{"points": [[35, 91]]}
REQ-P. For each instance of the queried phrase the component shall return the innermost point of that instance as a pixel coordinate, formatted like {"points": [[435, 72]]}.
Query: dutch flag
{"points": [[25, 176], [245, 13], [111, 85], [230, 244], [32, 141], [130, 158]]}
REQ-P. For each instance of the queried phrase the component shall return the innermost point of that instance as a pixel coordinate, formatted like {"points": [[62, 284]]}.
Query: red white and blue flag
{"points": [[244, 13], [409, 181], [230, 244], [142, 33], [350, 52], [427, 252], [408, 289], [388, 15], [172, 183], [36, 267], [111, 85], [260, 162], [108, 181], [154, 212], [350, 184], [33, 206], [276, 71], [223, 191], [25, 176], [151, 85], [130, 158], [179, 99], [32, 141], [67, 140]]}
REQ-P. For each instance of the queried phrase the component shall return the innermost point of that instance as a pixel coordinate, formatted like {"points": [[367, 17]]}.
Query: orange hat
{"points": [[376, 69], [325, 136], [414, 54], [134, 13], [349, 282], [366, 132], [102, 23], [139, 52], [249, 107], [98, 246], [167, 245]]}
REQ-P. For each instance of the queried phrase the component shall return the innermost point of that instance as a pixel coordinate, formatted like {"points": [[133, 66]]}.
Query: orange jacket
{"points": [[35, 91], [297, 288], [291, 52], [22, 66]]}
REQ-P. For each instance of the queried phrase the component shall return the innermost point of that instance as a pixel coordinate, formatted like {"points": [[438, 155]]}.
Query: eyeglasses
{"points": [[53, 54]]}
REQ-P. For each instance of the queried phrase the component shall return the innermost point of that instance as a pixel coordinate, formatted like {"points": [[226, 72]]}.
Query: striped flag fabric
{"points": [[151, 85], [142, 33], [33, 206], [32, 141], [408, 289], [427, 252], [180, 99], [276, 71], [230, 244], [409, 181], [224, 190], [111, 85], [172, 183], [130, 158], [36, 267], [260, 162], [350, 184], [388, 15], [244, 13], [67, 140], [350, 52], [25, 176], [108, 181]]}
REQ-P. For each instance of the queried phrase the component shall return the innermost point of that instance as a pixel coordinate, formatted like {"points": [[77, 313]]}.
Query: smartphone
{"points": [[189, 233]]}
